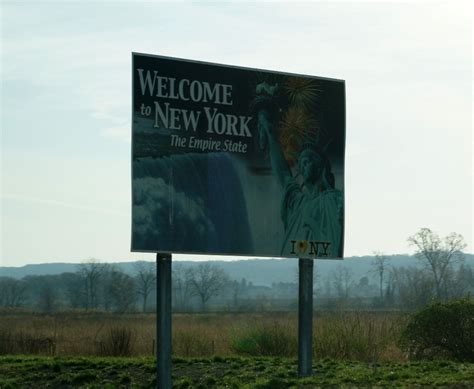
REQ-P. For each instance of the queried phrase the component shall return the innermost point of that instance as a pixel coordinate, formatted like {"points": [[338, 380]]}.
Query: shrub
{"points": [[265, 339], [191, 344], [355, 336], [20, 342], [6, 343], [441, 330], [118, 342]]}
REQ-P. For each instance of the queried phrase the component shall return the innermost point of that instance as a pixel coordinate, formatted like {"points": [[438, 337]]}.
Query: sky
{"points": [[66, 111]]}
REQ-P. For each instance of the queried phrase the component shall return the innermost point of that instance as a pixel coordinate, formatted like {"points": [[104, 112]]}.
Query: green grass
{"points": [[225, 372]]}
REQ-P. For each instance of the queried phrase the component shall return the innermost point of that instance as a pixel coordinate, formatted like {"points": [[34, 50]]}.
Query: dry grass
{"points": [[358, 336], [368, 337], [81, 333]]}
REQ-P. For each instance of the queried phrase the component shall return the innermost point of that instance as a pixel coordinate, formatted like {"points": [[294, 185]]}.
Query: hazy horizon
{"points": [[177, 258]]}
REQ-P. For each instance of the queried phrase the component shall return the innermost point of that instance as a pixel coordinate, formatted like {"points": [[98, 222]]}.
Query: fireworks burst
{"points": [[302, 92], [297, 127]]}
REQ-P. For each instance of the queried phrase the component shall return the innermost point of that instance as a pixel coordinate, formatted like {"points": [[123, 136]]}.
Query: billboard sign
{"points": [[236, 161]]}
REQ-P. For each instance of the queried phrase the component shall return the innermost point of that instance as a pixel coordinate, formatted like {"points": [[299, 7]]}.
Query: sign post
{"points": [[163, 321], [305, 317], [229, 160]]}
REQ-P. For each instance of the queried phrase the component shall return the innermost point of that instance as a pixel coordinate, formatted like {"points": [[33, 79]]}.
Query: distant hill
{"points": [[40, 269], [258, 271]]}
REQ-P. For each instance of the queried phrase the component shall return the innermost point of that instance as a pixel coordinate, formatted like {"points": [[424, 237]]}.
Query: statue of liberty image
{"points": [[311, 206]]}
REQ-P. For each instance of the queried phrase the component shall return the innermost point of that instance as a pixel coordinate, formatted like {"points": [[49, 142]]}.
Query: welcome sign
{"points": [[236, 161]]}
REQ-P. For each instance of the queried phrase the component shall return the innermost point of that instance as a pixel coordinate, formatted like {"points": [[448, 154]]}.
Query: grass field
{"points": [[97, 350], [226, 372], [367, 337]]}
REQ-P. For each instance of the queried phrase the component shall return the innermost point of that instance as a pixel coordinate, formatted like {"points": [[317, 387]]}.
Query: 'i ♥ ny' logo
{"points": [[311, 247]]}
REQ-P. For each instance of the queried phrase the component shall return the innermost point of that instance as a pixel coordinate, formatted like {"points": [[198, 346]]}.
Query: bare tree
{"points": [[438, 255], [462, 283], [91, 272], [317, 282], [380, 265], [145, 280], [74, 289], [237, 290], [342, 281], [121, 289], [12, 292], [206, 281], [105, 288], [182, 289], [413, 287], [47, 297]]}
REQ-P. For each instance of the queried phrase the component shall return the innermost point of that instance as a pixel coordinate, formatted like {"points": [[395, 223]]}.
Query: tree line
{"points": [[100, 286]]}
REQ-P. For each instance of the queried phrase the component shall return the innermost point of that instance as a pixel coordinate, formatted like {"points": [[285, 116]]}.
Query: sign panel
{"points": [[236, 161]]}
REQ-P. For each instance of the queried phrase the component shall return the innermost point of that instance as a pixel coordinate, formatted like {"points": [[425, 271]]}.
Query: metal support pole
{"points": [[163, 321], [305, 317]]}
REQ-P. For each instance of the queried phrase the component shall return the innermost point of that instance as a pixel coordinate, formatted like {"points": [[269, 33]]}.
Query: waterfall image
{"points": [[191, 201]]}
